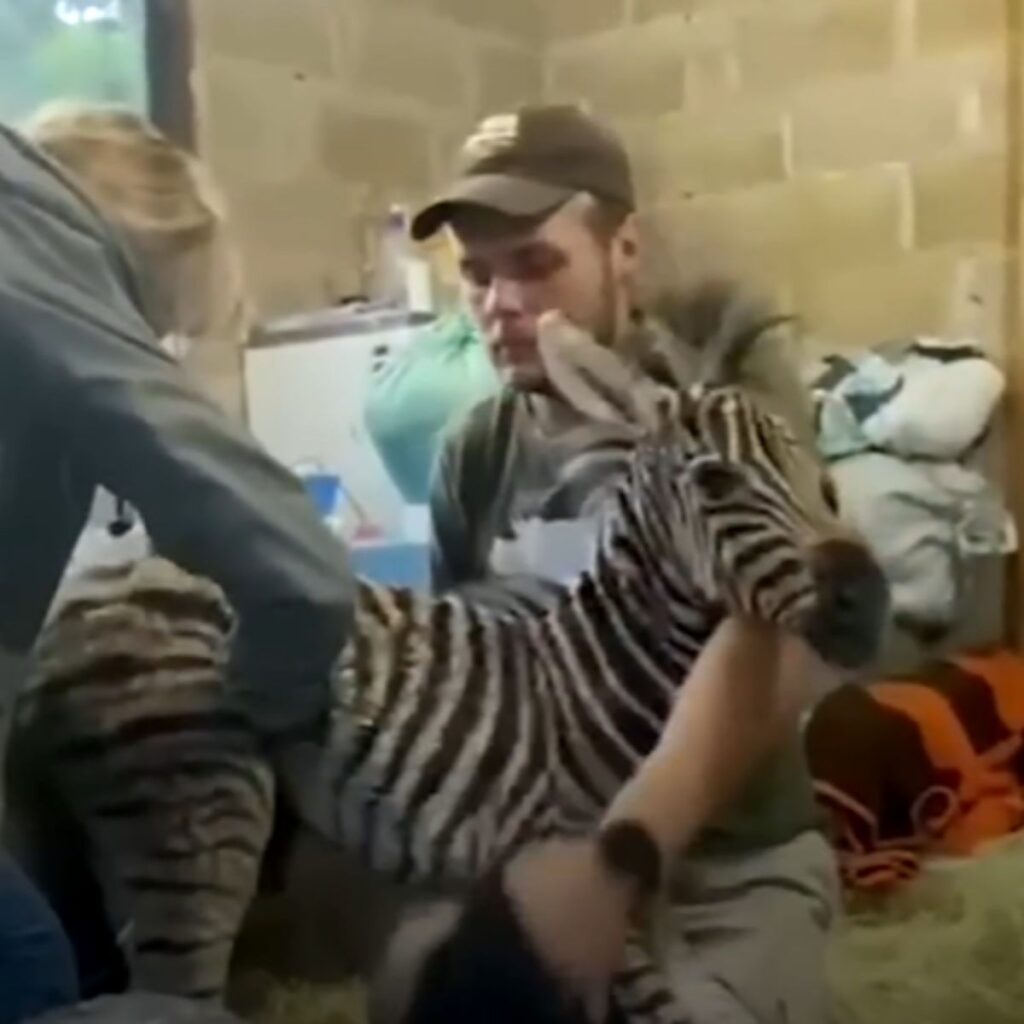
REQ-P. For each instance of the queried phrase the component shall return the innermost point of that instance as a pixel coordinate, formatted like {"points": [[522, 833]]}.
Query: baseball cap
{"points": [[529, 163]]}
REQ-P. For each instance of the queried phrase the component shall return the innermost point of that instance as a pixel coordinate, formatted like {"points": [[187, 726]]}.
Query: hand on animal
{"points": [[539, 939], [577, 911]]}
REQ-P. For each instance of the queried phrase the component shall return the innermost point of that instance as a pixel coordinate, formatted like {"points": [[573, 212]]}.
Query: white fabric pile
{"points": [[901, 426]]}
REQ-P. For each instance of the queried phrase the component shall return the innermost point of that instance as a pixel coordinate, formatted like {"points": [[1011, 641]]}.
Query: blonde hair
{"points": [[166, 206]]}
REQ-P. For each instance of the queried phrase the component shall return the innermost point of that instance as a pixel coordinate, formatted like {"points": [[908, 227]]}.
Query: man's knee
{"points": [[750, 945]]}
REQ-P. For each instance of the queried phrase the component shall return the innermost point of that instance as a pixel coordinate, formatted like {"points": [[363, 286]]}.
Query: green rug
{"points": [[949, 949], [299, 1003]]}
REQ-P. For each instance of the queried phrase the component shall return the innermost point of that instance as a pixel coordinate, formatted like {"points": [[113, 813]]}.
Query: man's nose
{"points": [[504, 296]]}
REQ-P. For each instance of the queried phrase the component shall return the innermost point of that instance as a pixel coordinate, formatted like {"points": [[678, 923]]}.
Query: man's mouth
{"points": [[516, 350]]}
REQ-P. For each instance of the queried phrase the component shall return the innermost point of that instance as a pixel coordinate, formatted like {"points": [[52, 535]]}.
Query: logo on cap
{"points": [[494, 135]]}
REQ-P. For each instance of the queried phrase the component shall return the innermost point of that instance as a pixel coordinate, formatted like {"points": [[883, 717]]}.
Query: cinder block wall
{"points": [[316, 113], [850, 154]]}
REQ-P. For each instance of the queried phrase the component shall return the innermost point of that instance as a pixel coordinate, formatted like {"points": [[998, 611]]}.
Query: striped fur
{"points": [[457, 732], [125, 714]]}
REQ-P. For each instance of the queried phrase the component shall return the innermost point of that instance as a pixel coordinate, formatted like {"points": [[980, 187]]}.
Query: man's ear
{"points": [[594, 380], [626, 252]]}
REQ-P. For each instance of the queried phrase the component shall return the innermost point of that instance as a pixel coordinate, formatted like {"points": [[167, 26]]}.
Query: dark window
{"points": [[131, 52]]}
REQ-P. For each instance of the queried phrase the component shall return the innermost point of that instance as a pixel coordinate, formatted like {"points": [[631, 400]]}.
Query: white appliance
{"points": [[306, 382]]}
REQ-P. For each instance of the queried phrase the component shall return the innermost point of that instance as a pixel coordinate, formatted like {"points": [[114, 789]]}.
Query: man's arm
{"points": [[74, 343], [742, 697]]}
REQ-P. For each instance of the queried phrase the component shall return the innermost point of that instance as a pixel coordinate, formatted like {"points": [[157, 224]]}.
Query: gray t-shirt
{"points": [[518, 495]]}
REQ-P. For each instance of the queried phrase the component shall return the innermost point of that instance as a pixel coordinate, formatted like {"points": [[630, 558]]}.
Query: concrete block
{"points": [[845, 219], [993, 95], [508, 77], [287, 282], [784, 45], [944, 25], [863, 306], [960, 198], [979, 311], [626, 74], [295, 35], [258, 123], [406, 52], [360, 146], [882, 118], [311, 211], [691, 154], [644, 10], [567, 18], [711, 78], [808, 224], [513, 19]]}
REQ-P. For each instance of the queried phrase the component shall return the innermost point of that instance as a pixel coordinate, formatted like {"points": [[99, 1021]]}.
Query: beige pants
{"points": [[746, 935]]}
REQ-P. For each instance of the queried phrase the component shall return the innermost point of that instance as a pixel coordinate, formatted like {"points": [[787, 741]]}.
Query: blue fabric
{"points": [[870, 383], [37, 966], [394, 565]]}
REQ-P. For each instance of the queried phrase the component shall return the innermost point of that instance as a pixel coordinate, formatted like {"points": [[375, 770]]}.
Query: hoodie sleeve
{"points": [[73, 342]]}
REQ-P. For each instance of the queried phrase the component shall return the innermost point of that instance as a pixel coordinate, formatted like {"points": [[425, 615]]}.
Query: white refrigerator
{"points": [[306, 381]]}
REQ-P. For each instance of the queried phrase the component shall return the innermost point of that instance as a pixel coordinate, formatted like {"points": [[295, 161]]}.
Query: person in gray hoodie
{"points": [[108, 236]]}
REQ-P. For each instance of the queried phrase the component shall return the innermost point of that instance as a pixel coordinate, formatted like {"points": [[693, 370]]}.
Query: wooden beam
{"points": [[1013, 313], [169, 56]]}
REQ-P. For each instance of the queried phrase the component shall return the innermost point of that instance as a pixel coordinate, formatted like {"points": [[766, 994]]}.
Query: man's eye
{"points": [[537, 266], [476, 274]]}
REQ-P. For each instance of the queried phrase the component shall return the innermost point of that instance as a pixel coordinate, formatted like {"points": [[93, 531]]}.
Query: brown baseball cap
{"points": [[529, 163]]}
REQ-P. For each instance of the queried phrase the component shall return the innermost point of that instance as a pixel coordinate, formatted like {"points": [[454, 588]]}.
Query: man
{"points": [[543, 214], [87, 398]]}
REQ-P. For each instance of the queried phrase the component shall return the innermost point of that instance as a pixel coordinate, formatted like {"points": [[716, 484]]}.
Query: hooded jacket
{"points": [[87, 398]]}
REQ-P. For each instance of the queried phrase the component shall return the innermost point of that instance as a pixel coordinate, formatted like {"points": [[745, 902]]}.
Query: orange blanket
{"points": [[934, 764]]}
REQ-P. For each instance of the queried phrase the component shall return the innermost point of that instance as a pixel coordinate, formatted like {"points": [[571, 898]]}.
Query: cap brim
{"points": [[503, 193]]}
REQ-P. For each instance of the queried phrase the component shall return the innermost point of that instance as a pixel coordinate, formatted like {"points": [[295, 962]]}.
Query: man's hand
{"points": [[743, 694], [577, 912]]}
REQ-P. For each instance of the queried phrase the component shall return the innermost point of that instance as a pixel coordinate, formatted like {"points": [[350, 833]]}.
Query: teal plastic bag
{"points": [[414, 397]]}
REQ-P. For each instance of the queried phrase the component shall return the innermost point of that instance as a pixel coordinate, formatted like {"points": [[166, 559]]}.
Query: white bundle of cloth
{"points": [[900, 426]]}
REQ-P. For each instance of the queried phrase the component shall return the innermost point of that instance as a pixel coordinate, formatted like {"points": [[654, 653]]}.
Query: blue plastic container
{"points": [[326, 491]]}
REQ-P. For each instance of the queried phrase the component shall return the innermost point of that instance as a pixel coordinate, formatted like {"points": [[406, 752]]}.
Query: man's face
{"points": [[513, 274]]}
